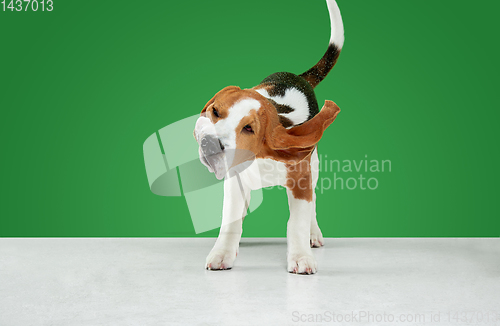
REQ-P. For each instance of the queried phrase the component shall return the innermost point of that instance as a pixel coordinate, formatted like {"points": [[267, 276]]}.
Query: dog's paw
{"points": [[220, 259], [316, 239], [302, 264]]}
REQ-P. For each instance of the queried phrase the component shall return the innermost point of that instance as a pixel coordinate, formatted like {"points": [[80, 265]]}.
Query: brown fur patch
{"points": [[212, 100], [299, 179]]}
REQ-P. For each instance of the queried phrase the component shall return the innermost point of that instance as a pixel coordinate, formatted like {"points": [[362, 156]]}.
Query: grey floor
{"points": [[114, 281]]}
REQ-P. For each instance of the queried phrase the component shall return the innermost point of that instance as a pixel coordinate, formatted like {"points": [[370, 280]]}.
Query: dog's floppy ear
{"points": [[298, 142], [212, 100]]}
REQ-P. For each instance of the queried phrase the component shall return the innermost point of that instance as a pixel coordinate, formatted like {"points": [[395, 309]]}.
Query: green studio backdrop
{"points": [[83, 86]]}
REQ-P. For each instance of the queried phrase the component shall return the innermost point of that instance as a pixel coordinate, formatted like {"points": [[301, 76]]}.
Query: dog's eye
{"points": [[248, 128], [215, 112]]}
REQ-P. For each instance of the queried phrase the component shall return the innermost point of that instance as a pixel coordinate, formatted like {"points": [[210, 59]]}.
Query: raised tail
{"points": [[317, 73]]}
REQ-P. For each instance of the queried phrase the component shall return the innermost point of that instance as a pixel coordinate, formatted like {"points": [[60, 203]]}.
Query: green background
{"points": [[82, 88]]}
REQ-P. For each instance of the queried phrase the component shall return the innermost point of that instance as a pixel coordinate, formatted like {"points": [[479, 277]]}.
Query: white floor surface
{"points": [[162, 281]]}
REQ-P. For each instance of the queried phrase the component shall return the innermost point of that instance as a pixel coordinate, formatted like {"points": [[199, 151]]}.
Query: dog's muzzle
{"points": [[210, 145], [211, 150], [214, 155]]}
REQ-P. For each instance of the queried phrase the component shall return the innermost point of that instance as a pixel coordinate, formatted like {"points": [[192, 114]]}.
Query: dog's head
{"points": [[237, 126]]}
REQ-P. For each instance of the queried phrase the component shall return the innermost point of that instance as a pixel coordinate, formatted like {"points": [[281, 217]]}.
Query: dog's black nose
{"points": [[221, 146], [211, 145]]}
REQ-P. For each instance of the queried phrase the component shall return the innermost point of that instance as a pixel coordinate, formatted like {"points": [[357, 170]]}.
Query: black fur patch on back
{"points": [[281, 108], [285, 122], [281, 81]]}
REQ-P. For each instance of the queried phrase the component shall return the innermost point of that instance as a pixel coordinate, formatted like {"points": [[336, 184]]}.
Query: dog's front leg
{"points": [[225, 250], [300, 258]]}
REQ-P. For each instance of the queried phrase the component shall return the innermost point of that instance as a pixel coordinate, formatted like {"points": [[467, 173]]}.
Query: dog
{"points": [[267, 136]]}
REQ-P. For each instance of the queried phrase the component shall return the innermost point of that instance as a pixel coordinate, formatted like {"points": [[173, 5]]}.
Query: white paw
{"points": [[302, 264], [219, 259], [316, 239]]}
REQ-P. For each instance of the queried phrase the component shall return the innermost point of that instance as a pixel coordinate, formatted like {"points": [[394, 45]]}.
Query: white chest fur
{"points": [[265, 173]]}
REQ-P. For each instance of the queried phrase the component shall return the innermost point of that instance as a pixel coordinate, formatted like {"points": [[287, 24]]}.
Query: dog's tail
{"points": [[317, 73]]}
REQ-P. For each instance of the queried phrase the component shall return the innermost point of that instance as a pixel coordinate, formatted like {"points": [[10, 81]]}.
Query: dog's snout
{"points": [[211, 145]]}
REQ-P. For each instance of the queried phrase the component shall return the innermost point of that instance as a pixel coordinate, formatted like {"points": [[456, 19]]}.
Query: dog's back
{"points": [[293, 95]]}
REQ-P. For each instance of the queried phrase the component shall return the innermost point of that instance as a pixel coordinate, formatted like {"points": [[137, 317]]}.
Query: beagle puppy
{"points": [[267, 136]]}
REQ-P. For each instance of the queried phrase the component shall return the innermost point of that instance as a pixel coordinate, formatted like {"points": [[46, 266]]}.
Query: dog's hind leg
{"points": [[300, 201], [300, 258], [316, 239]]}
